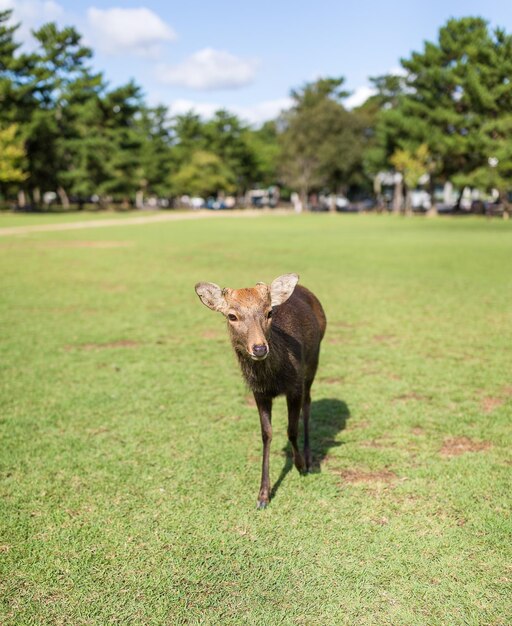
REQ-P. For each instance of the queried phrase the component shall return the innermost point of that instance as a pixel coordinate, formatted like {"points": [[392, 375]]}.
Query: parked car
{"points": [[197, 202], [420, 200]]}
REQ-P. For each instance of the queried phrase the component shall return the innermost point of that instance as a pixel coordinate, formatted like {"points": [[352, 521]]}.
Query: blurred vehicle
{"points": [[220, 203], [487, 207], [325, 202], [368, 204], [420, 200], [196, 202], [259, 198]]}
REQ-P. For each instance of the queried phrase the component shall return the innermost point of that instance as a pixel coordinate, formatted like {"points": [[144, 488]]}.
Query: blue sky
{"points": [[247, 56]]}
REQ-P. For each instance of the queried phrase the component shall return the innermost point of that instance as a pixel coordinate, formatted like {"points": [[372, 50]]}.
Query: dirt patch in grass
{"points": [[81, 244], [384, 338], [489, 403], [358, 425], [374, 443], [336, 341], [114, 288], [92, 244], [343, 325], [355, 476], [418, 431], [122, 343], [412, 395], [250, 401], [333, 380], [455, 446]]}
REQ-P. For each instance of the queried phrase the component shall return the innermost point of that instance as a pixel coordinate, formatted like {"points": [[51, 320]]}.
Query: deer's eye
{"points": [[269, 314], [232, 318]]}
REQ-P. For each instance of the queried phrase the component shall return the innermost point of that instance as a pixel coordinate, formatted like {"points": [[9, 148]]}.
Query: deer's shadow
{"points": [[328, 417]]}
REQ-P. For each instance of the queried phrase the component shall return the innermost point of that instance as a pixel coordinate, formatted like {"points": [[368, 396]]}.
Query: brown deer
{"points": [[276, 332]]}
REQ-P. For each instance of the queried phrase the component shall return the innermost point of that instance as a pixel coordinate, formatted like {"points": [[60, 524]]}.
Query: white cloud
{"points": [[209, 69], [255, 114], [31, 14], [263, 111], [360, 95], [138, 31], [204, 109]]}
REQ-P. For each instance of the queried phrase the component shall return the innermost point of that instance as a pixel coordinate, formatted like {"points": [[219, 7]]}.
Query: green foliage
{"points": [[249, 155], [413, 165], [83, 138], [264, 145], [130, 451], [456, 99], [226, 137], [322, 143], [157, 158], [204, 175], [12, 156]]}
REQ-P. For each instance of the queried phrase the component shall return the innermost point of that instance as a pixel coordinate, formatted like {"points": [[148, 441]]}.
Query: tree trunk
{"points": [[303, 196], [506, 205], [22, 200], [398, 197], [408, 203], [139, 199], [36, 194], [64, 200], [459, 199], [432, 211]]}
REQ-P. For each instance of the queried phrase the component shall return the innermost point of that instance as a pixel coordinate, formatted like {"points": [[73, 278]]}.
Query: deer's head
{"points": [[249, 311]]}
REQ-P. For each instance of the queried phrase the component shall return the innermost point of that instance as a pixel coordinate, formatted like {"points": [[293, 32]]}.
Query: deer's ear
{"points": [[282, 288], [212, 296]]}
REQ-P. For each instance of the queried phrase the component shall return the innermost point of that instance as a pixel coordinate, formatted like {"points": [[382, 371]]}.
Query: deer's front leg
{"points": [[264, 405], [294, 408]]}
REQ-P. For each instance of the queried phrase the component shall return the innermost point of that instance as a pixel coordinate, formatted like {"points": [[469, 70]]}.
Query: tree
{"points": [[156, 154], [205, 175], [413, 166], [264, 145], [15, 73], [121, 111], [321, 143], [226, 136], [12, 156], [66, 93], [187, 136], [458, 101]]}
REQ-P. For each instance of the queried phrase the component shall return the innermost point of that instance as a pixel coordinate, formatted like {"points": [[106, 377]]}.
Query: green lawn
{"points": [[130, 456]]}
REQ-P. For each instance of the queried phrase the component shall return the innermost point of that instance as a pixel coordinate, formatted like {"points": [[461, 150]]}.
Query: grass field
{"points": [[130, 454]]}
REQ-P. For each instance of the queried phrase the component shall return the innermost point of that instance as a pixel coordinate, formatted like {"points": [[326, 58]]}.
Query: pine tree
{"points": [[458, 101], [322, 143]]}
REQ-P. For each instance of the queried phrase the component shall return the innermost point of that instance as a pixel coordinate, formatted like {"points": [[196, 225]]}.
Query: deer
{"points": [[275, 331]]}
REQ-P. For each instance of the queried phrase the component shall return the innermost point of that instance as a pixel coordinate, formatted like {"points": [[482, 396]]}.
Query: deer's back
{"points": [[301, 317]]}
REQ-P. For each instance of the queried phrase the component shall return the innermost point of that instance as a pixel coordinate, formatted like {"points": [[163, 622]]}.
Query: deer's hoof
{"points": [[262, 504]]}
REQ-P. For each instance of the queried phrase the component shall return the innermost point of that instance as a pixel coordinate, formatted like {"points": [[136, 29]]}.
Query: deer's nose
{"points": [[259, 350]]}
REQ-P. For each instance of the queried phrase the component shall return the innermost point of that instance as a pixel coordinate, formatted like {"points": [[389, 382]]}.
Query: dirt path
{"points": [[135, 221]]}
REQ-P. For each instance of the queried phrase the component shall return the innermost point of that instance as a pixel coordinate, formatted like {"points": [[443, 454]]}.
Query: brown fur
{"points": [[291, 336]]}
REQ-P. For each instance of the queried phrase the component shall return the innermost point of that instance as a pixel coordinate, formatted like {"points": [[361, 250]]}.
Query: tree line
{"points": [[447, 116]]}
